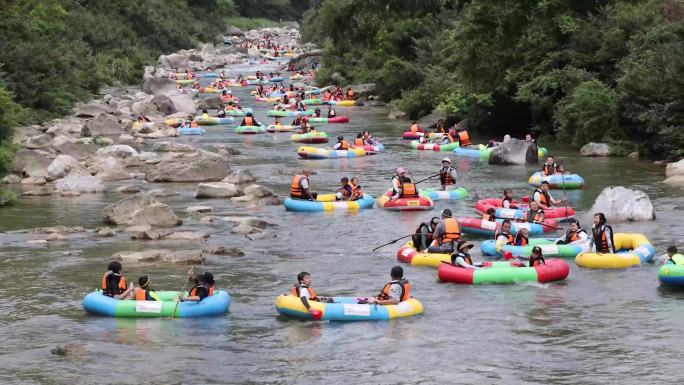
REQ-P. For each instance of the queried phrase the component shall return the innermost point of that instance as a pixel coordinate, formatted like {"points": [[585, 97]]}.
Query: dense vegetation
{"points": [[580, 70]]}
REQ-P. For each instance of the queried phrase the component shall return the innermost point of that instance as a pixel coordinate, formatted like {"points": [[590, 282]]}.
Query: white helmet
{"points": [[446, 160]]}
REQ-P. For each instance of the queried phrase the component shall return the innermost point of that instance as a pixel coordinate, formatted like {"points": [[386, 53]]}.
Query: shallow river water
{"points": [[597, 326]]}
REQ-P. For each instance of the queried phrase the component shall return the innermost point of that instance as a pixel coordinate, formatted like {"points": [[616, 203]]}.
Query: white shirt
{"points": [[304, 292], [395, 291], [305, 183]]}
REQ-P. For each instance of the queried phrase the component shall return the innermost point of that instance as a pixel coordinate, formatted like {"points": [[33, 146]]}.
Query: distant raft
{"points": [[409, 254], [100, 304], [340, 103], [283, 113], [347, 309], [372, 149], [324, 153], [310, 137], [337, 119], [439, 195], [249, 130], [410, 135], [416, 145], [505, 272], [481, 152], [191, 130], [281, 128], [328, 202], [632, 250], [562, 213], [561, 181], [405, 204], [547, 245], [477, 226]]}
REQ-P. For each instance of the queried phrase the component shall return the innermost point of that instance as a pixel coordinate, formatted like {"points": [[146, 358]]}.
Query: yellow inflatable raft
{"points": [[632, 250]]}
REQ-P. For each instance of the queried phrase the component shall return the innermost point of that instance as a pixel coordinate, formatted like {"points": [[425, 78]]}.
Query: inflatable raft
{"points": [[565, 181], [437, 194], [337, 119], [281, 128], [249, 130], [191, 130], [477, 226], [557, 213], [409, 254], [310, 137], [405, 204], [185, 81], [276, 79], [504, 272], [347, 309], [324, 153], [409, 135], [671, 274], [312, 102], [372, 149], [283, 113], [340, 103], [214, 121], [481, 152], [632, 250], [214, 305], [327, 202], [549, 248], [416, 145], [269, 99]]}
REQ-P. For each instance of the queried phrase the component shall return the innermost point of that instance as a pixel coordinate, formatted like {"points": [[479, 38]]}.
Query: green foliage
{"points": [[7, 197], [272, 9], [589, 114], [246, 23]]}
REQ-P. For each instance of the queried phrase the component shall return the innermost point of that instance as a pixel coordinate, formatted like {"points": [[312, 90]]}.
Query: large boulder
{"points": [[234, 31], [103, 125], [200, 167], [142, 107], [164, 104], [183, 103], [621, 204], [140, 210], [172, 147], [78, 151], [157, 86], [217, 190], [79, 184], [64, 165], [125, 153], [675, 173], [92, 110], [242, 176], [43, 141], [305, 60], [208, 102], [595, 149], [173, 257], [514, 151], [174, 61], [362, 91]]}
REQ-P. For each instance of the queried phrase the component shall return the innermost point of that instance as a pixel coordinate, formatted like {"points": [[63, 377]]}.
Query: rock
{"points": [[431, 119], [64, 165], [223, 250], [142, 107], [41, 191], [337, 78], [128, 189], [396, 113], [183, 103], [174, 61], [164, 104], [171, 147], [209, 102], [67, 193], [223, 149], [68, 350], [163, 192], [37, 180], [633, 155], [56, 237], [234, 31], [22, 133], [254, 192], [107, 168], [217, 190], [595, 149], [177, 257], [103, 125], [128, 140], [153, 235], [267, 201], [127, 154], [244, 229], [620, 204], [514, 151], [140, 209], [104, 142], [192, 236], [242, 176], [31, 162], [157, 86], [74, 183], [198, 209], [10, 179], [675, 173], [205, 166], [92, 110], [59, 229], [362, 91], [105, 232], [138, 228], [42, 141], [78, 151], [305, 60]]}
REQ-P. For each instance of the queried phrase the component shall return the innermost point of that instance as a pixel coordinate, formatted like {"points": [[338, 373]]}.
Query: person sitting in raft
{"points": [[143, 119], [422, 238], [535, 214], [574, 235], [145, 291], [462, 258], [204, 287], [490, 215], [220, 112], [344, 193], [503, 237], [446, 234], [368, 138], [550, 167], [249, 120], [114, 283], [305, 292], [196, 86], [298, 120], [180, 89], [341, 144], [543, 198], [402, 185], [448, 138], [522, 238], [395, 291], [507, 199], [536, 257], [299, 188], [317, 113], [350, 94], [189, 122], [447, 174], [439, 127], [331, 112], [674, 257], [306, 128], [222, 74], [205, 114], [277, 122], [602, 236], [415, 127], [359, 142], [356, 189], [463, 136], [423, 139]]}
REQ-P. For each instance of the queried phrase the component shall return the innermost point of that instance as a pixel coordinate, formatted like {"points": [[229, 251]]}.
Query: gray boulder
{"points": [[183, 103], [140, 210], [208, 102], [205, 166], [217, 190], [64, 165], [127, 154], [621, 204], [10, 179], [172, 147], [164, 104], [174, 61], [156, 86], [513, 152], [78, 151], [103, 125], [43, 141], [675, 173], [79, 184], [305, 60], [595, 149], [234, 31], [92, 110], [172, 257], [362, 91], [242, 176]]}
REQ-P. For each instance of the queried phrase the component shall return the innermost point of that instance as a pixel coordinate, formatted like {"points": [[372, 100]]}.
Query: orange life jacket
{"points": [[356, 192], [344, 145], [535, 217], [445, 177], [521, 240], [408, 190], [358, 142], [452, 231], [249, 121], [510, 240], [120, 289], [544, 197], [296, 190], [550, 170], [572, 236], [414, 128], [464, 138], [295, 292], [141, 294], [405, 290], [193, 291], [193, 124]]}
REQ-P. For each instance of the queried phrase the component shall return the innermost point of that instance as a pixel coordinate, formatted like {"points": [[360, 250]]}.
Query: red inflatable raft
{"points": [[405, 204], [505, 272], [558, 213]]}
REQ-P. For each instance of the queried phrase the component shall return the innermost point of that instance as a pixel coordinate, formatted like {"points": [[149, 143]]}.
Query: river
{"points": [[597, 326]]}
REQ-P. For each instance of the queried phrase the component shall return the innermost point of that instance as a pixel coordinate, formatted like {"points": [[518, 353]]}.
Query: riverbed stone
{"points": [[76, 184], [202, 167], [620, 204], [103, 125], [128, 189], [242, 176], [160, 256], [43, 141], [514, 152], [64, 165], [10, 179], [198, 209], [140, 210], [35, 180], [217, 190], [105, 232], [92, 110], [675, 173], [31, 163], [127, 154], [40, 191], [171, 147], [156, 86], [175, 61], [229, 251], [78, 151], [595, 149]]}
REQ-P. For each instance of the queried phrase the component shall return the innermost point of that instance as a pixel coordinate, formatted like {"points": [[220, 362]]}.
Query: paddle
{"points": [[544, 224], [398, 239], [430, 177], [181, 292], [565, 198]]}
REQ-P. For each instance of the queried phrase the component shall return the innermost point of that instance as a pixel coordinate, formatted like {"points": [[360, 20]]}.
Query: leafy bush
{"points": [[589, 114], [7, 197]]}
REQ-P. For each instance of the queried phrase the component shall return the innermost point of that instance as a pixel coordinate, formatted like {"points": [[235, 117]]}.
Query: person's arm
{"points": [[127, 293], [394, 296], [462, 263], [609, 239], [501, 241], [201, 293]]}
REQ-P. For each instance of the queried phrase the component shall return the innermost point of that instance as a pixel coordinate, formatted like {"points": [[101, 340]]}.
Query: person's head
{"points": [[446, 213], [525, 232], [340, 138], [359, 135], [599, 219], [671, 250], [536, 252], [144, 282], [550, 160], [446, 161], [414, 122], [249, 114], [534, 206], [401, 171], [190, 117], [545, 186], [435, 221], [299, 114], [508, 193], [230, 92], [344, 181], [506, 225], [207, 278], [491, 211], [204, 110], [355, 181], [306, 172], [366, 133], [574, 225], [397, 272], [528, 138], [304, 278], [115, 267], [464, 247]]}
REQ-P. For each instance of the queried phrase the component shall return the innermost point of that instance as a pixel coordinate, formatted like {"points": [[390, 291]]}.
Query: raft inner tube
{"points": [[416, 145], [505, 272], [438, 194], [347, 309], [477, 226], [306, 152], [548, 246], [310, 137], [671, 274], [632, 250], [405, 204], [100, 304], [337, 119], [249, 130], [520, 212], [409, 254], [328, 202], [564, 181]]}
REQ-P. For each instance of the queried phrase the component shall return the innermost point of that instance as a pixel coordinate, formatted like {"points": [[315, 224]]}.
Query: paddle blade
{"points": [[316, 315]]}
